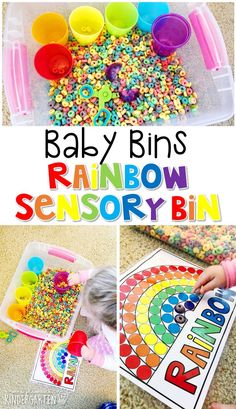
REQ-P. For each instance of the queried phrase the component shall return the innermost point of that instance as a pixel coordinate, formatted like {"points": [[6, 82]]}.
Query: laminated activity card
{"points": [[56, 366], [171, 340]]}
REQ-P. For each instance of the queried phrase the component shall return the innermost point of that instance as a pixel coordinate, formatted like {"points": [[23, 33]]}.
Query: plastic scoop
{"points": [[11, 336], [102, 118], [77, 341], [23, 295], [60, 282], [16, 312], [53, 61], [120, 18], [50, 28], [29, 279], [170, 32], [86, 24], [104, 95], [148, 12], [35, 264]]}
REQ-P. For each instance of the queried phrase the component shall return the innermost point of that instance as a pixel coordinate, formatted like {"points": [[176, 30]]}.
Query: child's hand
{"points": [[87, 352], [73, 279], [213, 277]]}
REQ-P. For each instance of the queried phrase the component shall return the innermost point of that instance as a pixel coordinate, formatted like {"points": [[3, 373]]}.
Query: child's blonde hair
{"points": [[99, 297]]}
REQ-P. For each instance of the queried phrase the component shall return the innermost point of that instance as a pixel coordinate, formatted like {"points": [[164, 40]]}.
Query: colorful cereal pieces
{"points": [[63, 284], [160, 89], [212, 244], [48, 310]]}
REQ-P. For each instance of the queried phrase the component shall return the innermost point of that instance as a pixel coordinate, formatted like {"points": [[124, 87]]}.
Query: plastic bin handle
{"points": [[30, 334], [209, 37], [16, 79], [61, 253]]}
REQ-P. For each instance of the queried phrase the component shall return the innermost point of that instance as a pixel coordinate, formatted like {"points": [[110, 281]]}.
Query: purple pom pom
{"points": [[112, 71], [129, 95]]}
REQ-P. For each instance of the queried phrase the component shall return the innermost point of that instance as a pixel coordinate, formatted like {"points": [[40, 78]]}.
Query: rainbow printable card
{"points": [[171, 340], [56, 366]]}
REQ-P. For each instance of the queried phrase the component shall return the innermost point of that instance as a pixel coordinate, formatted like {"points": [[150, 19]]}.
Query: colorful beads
{"points": [[48, 310], [157, 88]]}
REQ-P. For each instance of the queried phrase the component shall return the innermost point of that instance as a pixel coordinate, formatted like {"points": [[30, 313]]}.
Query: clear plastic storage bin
{"points": [[204, 57], [53, 257]]}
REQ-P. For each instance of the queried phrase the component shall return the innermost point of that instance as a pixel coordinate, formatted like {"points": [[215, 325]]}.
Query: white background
{"points": [[210, 159]]}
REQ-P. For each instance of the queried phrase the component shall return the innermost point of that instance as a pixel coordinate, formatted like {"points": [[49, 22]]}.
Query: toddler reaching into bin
{"points": [[98, 304]]}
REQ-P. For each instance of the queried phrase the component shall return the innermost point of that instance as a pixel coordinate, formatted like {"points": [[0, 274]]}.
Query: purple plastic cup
{"points": [[170, 32], [61, 277]]}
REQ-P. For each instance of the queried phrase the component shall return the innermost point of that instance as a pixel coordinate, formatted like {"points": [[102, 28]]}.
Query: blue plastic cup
{"points": [[148, 12]]}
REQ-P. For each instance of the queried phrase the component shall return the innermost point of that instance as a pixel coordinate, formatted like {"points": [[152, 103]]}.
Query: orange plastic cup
{"points": [[50, 28], [16, 312]]}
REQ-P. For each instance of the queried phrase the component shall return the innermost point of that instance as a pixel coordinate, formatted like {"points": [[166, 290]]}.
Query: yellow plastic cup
{"points": [[120, 18], [16, 312], [29, 279], [50, 28], [23, 295], [86, 24]]}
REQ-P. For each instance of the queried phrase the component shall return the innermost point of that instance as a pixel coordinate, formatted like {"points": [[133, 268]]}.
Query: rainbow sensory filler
{"points": [[211, 244], [45, 302], [50, 309], [116, 63], [147, 88], [39, 302], [170, 338]]}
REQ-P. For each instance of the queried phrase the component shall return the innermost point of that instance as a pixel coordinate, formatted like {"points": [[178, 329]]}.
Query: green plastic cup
{"points": [[120, 18], [29, 279]]}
